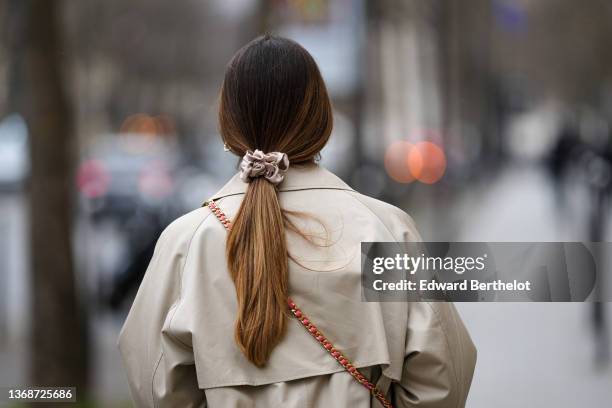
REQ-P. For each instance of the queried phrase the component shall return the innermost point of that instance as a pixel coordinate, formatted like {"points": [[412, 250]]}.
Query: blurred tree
{"points": [[37, 91]]}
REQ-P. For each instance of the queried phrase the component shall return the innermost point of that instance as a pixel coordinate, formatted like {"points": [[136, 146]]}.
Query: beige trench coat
{"points": [[177, 342]]}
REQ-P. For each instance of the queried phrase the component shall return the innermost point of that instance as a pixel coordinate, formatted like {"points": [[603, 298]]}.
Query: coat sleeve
{"points": [[160, 367], [440, 359]]}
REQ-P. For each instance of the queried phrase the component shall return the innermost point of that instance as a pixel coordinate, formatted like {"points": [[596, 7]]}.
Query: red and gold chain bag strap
{"points": [[313, 330]]}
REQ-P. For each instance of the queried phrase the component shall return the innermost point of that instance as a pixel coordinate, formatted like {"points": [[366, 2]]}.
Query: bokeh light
{"points": [[396, 161], [92, 179], [406, 162], [426, 162], [141, 123]]}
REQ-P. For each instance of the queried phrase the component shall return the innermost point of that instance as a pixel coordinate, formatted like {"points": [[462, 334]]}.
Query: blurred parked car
{"points": [[127, 173], [131, 186], [127, 184], [14, 156]]}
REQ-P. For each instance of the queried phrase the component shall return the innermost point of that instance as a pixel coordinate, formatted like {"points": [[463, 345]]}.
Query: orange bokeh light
{"points": [[396, 161], [426, 162], [144, 124]]}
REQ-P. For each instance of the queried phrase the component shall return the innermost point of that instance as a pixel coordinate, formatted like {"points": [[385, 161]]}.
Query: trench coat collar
{"points": [[305, 177]]}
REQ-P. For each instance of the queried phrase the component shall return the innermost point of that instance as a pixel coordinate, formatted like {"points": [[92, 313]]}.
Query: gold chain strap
{"points": [[337, 354], [313, 330]]}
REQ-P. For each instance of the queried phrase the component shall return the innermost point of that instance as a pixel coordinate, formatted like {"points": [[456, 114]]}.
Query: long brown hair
{"points": [[273, 99]]}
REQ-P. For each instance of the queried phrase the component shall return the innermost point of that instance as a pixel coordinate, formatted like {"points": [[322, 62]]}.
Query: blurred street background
{"points": [[486, 120]]}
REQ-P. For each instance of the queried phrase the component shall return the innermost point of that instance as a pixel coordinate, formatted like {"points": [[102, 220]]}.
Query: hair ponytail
{"points": [[274, 99], [257, 253]]}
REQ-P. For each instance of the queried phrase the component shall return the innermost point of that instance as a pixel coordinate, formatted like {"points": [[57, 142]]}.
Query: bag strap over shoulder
{"points": [[313, 330]]}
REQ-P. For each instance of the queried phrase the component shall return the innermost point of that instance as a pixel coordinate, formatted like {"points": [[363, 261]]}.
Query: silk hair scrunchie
{"points": [[271, 166]]}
